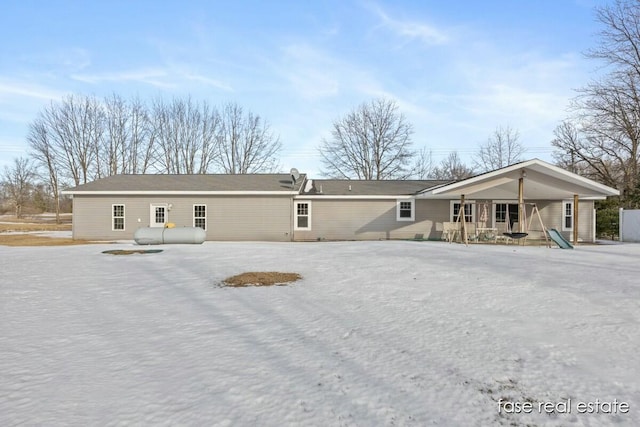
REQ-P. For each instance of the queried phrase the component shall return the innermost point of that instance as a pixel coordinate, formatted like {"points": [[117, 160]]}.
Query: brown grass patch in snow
{"points": [[261, 278], [11, 226], [131, 252], [37, 240], [17, 226]]}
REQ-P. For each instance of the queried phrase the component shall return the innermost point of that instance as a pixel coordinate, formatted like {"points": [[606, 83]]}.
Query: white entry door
{"points": [[159, 215]]}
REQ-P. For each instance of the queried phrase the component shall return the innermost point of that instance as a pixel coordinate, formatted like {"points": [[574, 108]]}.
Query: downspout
{"points": [[575, 219], [291, 219]]}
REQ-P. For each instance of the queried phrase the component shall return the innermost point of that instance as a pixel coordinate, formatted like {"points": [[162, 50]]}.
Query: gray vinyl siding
{"points": [[260, 218], [343, 219], [552, 216], [270, 218]]}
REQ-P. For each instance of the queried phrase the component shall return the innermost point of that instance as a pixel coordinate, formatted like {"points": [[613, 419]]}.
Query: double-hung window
{"points": [[117, 217], [405, 210], [469, 211], [567, 216], [302, 211], [200, 216]]}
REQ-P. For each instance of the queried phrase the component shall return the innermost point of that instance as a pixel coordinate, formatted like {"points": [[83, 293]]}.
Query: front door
{"points": [[158, 215]]}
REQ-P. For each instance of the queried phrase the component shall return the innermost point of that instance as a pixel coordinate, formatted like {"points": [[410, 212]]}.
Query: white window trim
{"points": [[295, 214], [564, 215], [494, 204], [206, 212], [124, 222], [466, 202], [413, 210]]}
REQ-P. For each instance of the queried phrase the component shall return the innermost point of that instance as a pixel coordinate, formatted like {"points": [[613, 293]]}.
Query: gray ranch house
{"points": [[277, 207]]}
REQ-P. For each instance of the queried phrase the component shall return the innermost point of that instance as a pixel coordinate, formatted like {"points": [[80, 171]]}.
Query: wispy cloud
{"points": [[410, 29], [209, 82], [311, 73], [72, 59], [150, 76], [11, 89], [163, 78]]}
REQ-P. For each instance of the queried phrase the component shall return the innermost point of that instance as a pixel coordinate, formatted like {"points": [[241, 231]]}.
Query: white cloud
{"points": [[12, 89], [209, 82], [72, 59], [163, 78], [411, 30], [150, 76]]}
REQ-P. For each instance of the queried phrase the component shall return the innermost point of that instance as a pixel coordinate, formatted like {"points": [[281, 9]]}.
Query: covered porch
{"points": [[508, 202]]}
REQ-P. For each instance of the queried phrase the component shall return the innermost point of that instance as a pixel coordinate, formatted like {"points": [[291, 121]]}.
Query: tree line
{"points": [[82, 138]]}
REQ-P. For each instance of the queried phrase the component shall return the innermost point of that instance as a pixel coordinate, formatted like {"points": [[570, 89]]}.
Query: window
{"points": [[405, 210], [302, 215], [469, 210], [567, 216], [200, 216], [506, 211], [117, 217], [160, 211]]}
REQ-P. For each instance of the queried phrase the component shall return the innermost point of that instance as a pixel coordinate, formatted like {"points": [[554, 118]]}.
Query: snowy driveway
{"points": [[376, 334]]}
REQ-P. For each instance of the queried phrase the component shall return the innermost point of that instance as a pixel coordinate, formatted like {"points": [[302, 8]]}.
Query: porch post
{"points": [[575, 219], [521, 204], [464, 222]]}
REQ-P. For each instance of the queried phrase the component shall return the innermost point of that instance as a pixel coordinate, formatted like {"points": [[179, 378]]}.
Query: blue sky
{"points": [[456, 69]]}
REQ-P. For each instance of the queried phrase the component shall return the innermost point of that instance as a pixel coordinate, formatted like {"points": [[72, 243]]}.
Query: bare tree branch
{"points": [[245, 143], [501, 149], [371, 142], [452, 168]]}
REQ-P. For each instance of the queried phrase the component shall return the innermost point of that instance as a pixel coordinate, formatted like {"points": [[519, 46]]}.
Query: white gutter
{"points": [[178, 193], [359, 197]]}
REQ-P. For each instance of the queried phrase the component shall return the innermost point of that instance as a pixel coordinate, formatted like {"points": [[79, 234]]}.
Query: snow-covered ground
{"points": [[376, 334]]}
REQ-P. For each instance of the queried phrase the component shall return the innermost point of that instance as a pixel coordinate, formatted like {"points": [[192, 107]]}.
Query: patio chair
{"points": [[450, 230], [471, 231], [503, 227]]}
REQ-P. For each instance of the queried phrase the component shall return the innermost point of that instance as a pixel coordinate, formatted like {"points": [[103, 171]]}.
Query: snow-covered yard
{"points": [[375, 334]]}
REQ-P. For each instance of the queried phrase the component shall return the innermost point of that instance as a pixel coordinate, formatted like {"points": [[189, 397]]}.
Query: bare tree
{"points": [[47, 158], [185, 134], [569, 146], [246, 143], [605, 145], [373, 142], [423, 165], [452, 168], [127, 144], [18, 182], [73, 130], [606, 113], [501, 149], [142, 142]]}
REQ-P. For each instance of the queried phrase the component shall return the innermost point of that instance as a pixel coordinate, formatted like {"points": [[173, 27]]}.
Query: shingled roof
{"points": [[351, 187], [210, 183]]}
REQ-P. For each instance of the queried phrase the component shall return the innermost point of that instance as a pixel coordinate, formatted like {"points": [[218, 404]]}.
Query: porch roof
{"points": [[542, 181]]}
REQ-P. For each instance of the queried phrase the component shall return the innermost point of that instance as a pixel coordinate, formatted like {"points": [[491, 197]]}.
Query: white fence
{"points": [[630, 225]]}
